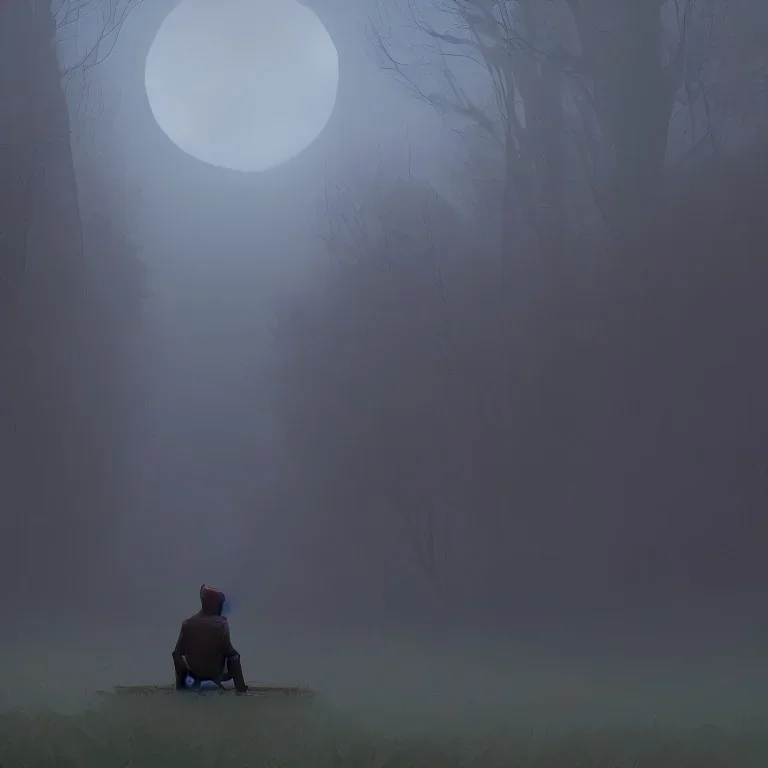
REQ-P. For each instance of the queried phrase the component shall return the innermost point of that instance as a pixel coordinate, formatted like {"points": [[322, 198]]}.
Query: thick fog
{"points": [[473, 385]]}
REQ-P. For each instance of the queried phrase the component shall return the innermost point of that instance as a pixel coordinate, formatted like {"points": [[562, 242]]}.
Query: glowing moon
{"points": [[242, 84]]}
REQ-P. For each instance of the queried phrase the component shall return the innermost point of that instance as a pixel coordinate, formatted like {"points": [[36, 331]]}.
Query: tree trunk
{"points": [[48, 521], [633, 93]]}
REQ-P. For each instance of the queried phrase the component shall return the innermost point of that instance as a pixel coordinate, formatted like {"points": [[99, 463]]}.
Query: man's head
{"points": [[212, 600]]}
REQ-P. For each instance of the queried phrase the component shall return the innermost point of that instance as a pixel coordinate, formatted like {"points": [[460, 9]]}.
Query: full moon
{"points": [[242, 84]]}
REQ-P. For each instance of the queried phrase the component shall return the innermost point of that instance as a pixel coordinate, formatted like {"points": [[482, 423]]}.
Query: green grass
{"points": [[159, 732]]}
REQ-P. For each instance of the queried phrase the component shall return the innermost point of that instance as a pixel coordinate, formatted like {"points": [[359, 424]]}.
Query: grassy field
{"points": [[388, 700], [193, 731]]}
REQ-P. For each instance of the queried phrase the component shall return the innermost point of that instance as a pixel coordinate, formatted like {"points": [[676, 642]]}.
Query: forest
{"points": [[564, 359], [478, 452], [563, 372]]}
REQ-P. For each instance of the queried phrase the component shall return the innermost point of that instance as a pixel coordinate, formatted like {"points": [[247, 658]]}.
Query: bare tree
{"points": [[732, 84], [30, 33], [631, 85], [611, 58], [80, 54], [577, 462], [59, 338], [69, 15], [520, 108]]}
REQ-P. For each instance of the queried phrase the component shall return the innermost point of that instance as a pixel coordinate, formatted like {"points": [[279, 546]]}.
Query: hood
{"points": [[211, 600]]}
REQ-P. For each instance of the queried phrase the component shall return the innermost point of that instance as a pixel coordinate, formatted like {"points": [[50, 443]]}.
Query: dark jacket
{"points": [[204, 642]]}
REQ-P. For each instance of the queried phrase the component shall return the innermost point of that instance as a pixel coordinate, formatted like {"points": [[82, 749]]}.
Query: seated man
{"points": [[204, 650]]}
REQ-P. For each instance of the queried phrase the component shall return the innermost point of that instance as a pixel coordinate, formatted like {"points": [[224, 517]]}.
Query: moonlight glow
{"points": [[242, 84]]}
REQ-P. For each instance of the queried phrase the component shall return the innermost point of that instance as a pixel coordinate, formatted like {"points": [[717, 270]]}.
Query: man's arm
{"points": [[228, 650], [178, 651], [234, 670]]}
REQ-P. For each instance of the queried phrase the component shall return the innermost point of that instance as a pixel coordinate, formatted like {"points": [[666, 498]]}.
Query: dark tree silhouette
{"points": [[60, 332], [609, 452], [598, 80]]}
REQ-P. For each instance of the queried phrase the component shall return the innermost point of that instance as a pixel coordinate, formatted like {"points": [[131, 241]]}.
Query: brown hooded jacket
{"points": [[204, 644]]}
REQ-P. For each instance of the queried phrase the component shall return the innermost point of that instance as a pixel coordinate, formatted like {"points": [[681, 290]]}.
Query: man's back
{"points": [[204, 647], [205, 643]]}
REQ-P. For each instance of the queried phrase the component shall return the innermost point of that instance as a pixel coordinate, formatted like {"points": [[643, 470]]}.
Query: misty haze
{"points": [[432, 333]]}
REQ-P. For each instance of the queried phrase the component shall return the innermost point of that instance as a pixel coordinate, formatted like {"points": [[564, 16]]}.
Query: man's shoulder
{"points": [[204, 620]]}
